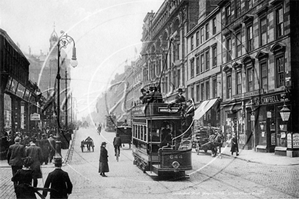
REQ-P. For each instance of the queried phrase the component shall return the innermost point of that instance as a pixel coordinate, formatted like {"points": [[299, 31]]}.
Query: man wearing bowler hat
{"points": [[59, 182]]}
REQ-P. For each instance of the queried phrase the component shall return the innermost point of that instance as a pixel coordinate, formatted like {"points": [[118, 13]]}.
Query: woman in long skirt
{"points": [[103, 162], [234, 145]]}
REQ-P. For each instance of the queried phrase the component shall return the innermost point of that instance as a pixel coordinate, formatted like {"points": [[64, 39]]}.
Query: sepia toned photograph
{"points": [[154, 99]]}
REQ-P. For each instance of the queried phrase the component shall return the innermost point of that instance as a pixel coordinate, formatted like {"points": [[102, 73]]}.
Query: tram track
{"points": [[190, 185]]}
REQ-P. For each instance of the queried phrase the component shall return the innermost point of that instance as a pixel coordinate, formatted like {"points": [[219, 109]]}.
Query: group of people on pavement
{"points": [[26, 162]]}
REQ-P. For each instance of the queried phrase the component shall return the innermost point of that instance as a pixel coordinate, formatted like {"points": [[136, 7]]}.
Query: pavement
{"points": [[261, 157]]}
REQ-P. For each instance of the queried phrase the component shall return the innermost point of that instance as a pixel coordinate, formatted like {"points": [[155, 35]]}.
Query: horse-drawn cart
{"points": [[88, 143]]}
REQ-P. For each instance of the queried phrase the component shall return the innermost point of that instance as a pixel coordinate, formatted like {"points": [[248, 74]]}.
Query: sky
{"points": [[107, 35]]}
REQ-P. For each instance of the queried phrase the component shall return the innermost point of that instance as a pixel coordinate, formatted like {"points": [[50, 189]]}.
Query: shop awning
{"points": [[203, 108]]}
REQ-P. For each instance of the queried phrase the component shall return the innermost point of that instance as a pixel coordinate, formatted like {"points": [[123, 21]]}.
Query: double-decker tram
{"points": [[158, 139]]}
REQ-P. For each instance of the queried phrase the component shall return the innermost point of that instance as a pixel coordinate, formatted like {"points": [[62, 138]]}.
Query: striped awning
{"points": [[204, 107]]}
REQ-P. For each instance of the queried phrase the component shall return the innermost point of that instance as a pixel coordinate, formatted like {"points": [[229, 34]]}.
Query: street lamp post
{"points": [[62, 42]]}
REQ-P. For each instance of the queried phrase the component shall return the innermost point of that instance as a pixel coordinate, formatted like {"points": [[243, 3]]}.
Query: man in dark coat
{"points": [[45, 146], [117, 142], [52, 147], [59, 181], [35, 152], [103, 161], [15, 155]]}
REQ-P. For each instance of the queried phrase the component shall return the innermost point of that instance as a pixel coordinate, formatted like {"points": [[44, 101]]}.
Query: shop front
{"points": [[273, 132], [19, 102], [234, 119]]}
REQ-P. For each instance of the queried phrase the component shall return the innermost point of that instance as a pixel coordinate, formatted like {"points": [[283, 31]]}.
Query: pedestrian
{"points": [[45, 147], [103, 161], [117, 142], [59, 182], [234, 145], [52, 147], [15, 155], [23, 181], [35, 153]]}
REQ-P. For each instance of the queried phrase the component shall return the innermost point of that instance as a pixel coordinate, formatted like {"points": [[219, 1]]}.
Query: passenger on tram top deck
{"points": [[143, 97], [179, 99], [155, 95]]}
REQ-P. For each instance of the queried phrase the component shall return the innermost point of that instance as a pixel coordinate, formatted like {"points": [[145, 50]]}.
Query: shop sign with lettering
{"points": [[20, 90], [13, 86], [8, 84], [267, 99]]}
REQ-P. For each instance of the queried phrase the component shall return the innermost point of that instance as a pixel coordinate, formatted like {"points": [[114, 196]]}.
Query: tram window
{"points": [[139, 132], [145, 133]]}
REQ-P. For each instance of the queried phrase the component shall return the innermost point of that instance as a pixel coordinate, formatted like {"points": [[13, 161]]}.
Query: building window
{"points": [[202, 63], [178, 77], [192, 92], [279, 22], [238, 44], [207, 31], [197, 93], [207, 60], [228, 86], [207, 90], [280, 71], [227, 15], [174, 80], [264, 75], [238, 8], [263, 31], [192, 68], [250, 85], [197, 65], [215, 88], [229, 49], [197, 38], [202, 92], [250, 38], [202, 35], [214, 55], [192, 43], [238, 82], [214, 26]]}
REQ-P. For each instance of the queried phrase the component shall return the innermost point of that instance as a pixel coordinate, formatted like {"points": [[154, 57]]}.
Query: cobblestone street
{"points": [[226, 177]]}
